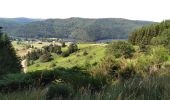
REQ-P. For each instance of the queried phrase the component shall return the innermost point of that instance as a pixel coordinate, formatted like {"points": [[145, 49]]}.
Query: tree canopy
{"points": [[9, 62], [73, 28]]}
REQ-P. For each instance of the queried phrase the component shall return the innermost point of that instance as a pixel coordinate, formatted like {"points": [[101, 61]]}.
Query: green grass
{"points": [[32, 94], [95, 54], [151, 88]]}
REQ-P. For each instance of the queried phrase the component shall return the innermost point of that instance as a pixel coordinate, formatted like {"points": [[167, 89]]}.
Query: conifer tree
{"points": [[9, 62]]}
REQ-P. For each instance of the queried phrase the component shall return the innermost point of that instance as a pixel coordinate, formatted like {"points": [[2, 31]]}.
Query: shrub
{"points": [[52, 65], [120, 49], [60, 90], [63, 44], [53, 49], [143, 48], [108, 67], [65, 54], [37, 65], [127, 73], [45, 57], [85, 53], [72, 48], [94, 63], [29, 62], [159, 54]]}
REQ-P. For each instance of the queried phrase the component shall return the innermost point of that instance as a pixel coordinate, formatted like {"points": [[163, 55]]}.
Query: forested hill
{"points": [[75, 28], [10, 25], [156, 34]]}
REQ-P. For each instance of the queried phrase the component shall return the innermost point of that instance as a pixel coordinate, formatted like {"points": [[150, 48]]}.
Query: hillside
{"points": [[12, 24], [75, 28], [154, 34]]}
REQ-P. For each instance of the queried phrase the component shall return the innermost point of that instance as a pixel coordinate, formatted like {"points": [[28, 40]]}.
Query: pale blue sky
{"points": [[153, 10]]}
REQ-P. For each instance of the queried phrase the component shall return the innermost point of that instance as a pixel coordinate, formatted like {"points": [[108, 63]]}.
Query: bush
{"points": [[120, 49], [59, 91], [52, 65], [53, 49], [72, 48], [108, 67], [29, 62], [159, 54], [45, 57], [63, 44], [127, 73], [37, 65], [143, 48], [65, 54], [85, 53]]}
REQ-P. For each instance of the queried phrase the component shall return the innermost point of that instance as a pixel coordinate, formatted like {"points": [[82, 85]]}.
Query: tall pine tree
{"points": [[9, 62]]}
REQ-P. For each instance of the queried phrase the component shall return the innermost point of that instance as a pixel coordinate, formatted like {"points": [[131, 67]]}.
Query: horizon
{"points": [[80, 18], [44, 9]]}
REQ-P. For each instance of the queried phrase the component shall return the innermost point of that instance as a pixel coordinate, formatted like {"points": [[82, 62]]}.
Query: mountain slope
{"points": [[151, 33], [12, 24], [78, 28]]}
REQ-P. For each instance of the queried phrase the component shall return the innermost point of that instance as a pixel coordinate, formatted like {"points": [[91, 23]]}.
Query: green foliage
{"points": [[29, 62], [27, 94], [143, 48], [85, 53], [120, 49], [52, 65], [127, 73], [110, 66], [34, 55], [65, 54], [159, 54], [45, 57], [59, 91], [9, 62], [53, 49], [162, 39], [74, 76], [153, 34], [72, 48], [75, 28], [63, 44]]}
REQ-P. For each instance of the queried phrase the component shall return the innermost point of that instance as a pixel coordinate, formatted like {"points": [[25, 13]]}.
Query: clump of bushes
{"points": [[53, 49], [120, 49], [127, 73], [143, 48], [71, 49], [65, 54], [59, 91], [109, 67], [45, 57]]}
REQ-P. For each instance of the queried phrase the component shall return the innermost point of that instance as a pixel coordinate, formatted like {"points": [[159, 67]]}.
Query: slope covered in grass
{"points": [[95, 54]]}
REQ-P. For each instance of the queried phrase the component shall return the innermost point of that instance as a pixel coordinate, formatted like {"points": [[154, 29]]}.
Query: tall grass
{"points": [[31, 94], [150, 88]]}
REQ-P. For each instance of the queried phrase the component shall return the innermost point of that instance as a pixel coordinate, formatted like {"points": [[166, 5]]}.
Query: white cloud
{"points": [[155, 10]]}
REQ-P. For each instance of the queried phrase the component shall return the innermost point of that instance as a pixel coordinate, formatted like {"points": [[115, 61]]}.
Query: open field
{"points": [[94, 56]]}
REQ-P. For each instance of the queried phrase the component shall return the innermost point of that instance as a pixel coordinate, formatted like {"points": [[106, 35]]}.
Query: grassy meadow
{"points": [[94, 76], [95, 54]]}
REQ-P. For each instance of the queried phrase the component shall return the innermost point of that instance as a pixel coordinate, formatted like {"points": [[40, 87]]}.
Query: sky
{"points": [[150, 10]]}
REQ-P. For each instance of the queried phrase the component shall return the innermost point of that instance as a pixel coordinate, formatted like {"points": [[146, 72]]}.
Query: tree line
{"points": [[153, 34]]}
